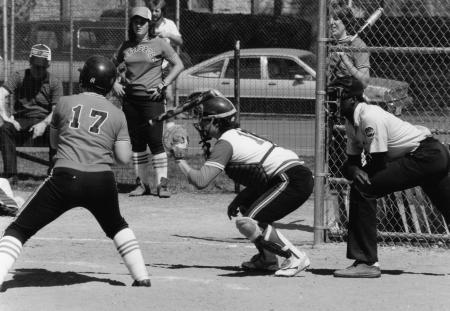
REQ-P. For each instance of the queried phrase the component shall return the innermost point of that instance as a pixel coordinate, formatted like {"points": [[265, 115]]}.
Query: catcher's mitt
{"points": [[176, 141]]}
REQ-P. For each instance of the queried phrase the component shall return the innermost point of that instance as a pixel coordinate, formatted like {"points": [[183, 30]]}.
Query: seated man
{"points": [[35, 92]]}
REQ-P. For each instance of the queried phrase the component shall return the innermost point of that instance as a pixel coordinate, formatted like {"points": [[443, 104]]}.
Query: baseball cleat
{"points": [[142, 283], [163, 191], [140, 190], [261, 263], [292, 266]]}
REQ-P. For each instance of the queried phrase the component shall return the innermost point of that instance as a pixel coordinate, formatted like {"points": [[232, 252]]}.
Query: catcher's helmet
{"points": [[216, 106], [98, 74]]}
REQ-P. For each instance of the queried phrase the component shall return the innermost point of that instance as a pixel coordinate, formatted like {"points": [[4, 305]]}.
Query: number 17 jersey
{"points": [[88, 126]]}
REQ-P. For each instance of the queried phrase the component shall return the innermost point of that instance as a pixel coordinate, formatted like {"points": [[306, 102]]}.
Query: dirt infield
{"points": [[193, 253]]}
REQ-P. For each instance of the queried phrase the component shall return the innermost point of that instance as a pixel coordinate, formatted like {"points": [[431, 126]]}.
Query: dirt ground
{"points": [[193, 253]]}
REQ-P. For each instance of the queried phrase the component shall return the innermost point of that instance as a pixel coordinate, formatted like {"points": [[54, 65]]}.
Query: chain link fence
{"points": [[409, 57], [409, 50]]}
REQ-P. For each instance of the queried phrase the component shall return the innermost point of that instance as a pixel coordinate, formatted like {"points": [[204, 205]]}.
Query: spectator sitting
{"points": [[36, 91]]}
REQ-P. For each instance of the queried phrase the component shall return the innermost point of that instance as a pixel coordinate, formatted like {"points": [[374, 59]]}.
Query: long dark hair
{"points": [[132, 34]]}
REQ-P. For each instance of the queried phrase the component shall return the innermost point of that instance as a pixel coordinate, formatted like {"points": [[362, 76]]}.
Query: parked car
{"points": [[277, 80]]}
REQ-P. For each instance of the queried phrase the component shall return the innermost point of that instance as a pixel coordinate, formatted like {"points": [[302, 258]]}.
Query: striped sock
{"points": [[159, 162], [128, 248], [6, 200], [140, 164], [10, 249]]}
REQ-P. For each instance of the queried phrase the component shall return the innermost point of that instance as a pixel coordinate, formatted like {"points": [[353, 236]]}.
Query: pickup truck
{"points": [[89, 37]]}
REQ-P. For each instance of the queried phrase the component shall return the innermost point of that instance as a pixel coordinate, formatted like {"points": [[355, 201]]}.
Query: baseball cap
{"points": [[40, 55], [141, 11]]}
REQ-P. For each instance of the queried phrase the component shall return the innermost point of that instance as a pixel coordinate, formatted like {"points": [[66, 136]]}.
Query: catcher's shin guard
{"points": [[10, 249], [128, 247], [274, 238], [270, 240]]}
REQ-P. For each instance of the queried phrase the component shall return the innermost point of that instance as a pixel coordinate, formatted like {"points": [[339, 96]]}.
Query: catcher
{"points": [[276, 182]]}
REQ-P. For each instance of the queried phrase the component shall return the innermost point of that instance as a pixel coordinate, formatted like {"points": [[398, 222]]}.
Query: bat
{"points": [[192, 102], [369, 22]]}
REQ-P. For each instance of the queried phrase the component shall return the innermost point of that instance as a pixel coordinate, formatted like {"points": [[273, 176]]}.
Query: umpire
{"points": [[399, 156]]}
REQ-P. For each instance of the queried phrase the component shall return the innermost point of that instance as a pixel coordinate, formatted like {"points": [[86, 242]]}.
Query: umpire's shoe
{"points": [[359, 269], [142, 283]]}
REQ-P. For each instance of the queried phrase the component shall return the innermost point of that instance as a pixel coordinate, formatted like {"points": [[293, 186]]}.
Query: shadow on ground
{"points": [[46, 278]]}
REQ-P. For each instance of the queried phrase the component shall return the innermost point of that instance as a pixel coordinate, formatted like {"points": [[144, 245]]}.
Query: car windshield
{"points": [[309, 60]]}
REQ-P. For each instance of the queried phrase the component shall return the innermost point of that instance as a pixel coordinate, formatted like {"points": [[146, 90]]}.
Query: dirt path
{"points": [[193, 253]]}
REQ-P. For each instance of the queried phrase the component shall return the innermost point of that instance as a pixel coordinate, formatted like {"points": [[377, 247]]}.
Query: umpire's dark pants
{"points": [[427, 167]]}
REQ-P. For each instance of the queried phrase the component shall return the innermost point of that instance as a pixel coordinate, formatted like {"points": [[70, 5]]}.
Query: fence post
{"points": [[237, 90], [319, 170], [5, 38]]}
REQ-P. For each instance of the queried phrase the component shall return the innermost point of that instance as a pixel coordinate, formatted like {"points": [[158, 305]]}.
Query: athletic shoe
{"points": [[140, 190], [292, 266], [261, 262], [163, 191], [142, 283], [359, 269]]}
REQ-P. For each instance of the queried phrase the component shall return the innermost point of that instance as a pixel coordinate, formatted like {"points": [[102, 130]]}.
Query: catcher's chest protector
{"points": [[248, 174]]}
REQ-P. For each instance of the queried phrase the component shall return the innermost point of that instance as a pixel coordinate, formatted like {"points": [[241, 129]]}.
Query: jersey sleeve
{"points": [[220, 155], [14, 82], [361, 59], [167, 51], [376, 135]]}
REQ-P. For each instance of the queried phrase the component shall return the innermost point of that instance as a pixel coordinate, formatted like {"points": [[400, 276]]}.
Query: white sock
{"points": [[128, 248], [159, 162], [140, 164], [10, 249]]}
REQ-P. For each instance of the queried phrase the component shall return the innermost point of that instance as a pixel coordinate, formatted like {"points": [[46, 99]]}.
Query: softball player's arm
{"points": [[8, 88], [122, 146], [172, 57], [214, 165], [358, 63]]}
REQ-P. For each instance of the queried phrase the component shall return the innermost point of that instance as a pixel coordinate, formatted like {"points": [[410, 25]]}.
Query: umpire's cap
{"points": [[350, 86], [98, 74]]}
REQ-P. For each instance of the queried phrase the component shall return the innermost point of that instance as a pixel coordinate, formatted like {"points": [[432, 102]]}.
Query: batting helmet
{"points": [[98, 74]]}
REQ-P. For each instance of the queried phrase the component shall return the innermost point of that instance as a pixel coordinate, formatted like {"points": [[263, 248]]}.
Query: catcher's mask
{"points": [[213, 110], [343, 94]]}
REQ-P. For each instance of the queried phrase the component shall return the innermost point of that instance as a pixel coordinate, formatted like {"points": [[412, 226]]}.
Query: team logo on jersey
{"points": [[370, 132]]}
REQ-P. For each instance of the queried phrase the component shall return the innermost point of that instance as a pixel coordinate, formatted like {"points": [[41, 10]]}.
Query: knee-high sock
{"points": [[140, 164], [128, 248], [10, 249], [159, 162]]}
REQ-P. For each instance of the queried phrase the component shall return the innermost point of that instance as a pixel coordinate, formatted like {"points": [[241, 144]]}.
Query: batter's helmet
{"points": [[98, 74]]}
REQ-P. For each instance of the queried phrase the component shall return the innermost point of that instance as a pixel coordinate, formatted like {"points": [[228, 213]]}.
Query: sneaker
{"points": [[292, 266], [261, 263], [359, 269], [140, 190], [142, 283], [162, 189]]}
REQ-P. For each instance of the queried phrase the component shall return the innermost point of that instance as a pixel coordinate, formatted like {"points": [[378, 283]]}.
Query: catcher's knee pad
{"points": [[248, 227]]}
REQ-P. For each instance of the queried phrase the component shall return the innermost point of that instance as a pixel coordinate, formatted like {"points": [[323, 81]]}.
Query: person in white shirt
{"points": [[276, 183], [165, 28], [399, 156]]}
